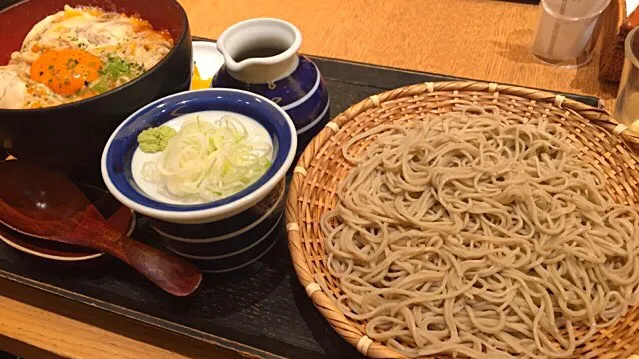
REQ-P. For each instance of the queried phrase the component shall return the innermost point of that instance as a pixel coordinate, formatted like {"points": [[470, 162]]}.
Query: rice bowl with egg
{"points": [[78, 53], [52, 136]]}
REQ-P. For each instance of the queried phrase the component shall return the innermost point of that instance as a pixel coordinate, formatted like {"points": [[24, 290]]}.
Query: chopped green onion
{"points": [[209, 161]]}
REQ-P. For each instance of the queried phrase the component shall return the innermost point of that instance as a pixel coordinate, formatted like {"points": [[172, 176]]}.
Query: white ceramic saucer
{"points": [[207, 58]]}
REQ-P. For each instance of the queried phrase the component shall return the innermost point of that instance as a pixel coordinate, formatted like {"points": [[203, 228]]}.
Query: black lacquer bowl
{"points": [[71, 137]]}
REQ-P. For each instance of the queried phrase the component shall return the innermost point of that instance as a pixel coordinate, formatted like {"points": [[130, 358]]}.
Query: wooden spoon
{"points": [[44, 204]]}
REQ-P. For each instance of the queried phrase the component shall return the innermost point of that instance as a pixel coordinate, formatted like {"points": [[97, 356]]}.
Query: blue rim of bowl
{"points": [[121, 184]]}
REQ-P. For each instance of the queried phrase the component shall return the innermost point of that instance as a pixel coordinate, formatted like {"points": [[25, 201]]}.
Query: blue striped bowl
{"points": [[230, 243], [225, 234], [118, 153]]}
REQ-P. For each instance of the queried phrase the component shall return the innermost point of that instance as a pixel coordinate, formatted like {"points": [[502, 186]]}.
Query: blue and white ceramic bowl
{"points": [[231, 243], [225, 234]]}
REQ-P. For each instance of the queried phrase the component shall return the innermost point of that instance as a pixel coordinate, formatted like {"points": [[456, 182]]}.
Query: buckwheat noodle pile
{"points": [[481, 235]]}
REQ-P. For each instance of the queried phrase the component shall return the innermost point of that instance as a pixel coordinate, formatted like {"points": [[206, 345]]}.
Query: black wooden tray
{"points": [[261, 310]]}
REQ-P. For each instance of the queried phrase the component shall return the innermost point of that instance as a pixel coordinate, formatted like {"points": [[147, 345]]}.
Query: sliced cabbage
{"points": [[209, 161]]}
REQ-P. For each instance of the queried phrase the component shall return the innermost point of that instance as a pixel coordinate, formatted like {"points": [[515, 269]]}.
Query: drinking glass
{"points": [[567, 31], [627, 108]]}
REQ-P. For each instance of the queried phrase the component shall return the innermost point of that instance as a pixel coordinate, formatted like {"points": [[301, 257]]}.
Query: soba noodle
{"points": [[480, 235]]}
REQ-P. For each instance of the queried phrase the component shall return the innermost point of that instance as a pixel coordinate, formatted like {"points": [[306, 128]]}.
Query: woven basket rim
{"points": [[343, 326]]}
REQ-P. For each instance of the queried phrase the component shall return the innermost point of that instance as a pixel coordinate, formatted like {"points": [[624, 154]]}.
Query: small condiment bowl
{"points": [[220, 235]]}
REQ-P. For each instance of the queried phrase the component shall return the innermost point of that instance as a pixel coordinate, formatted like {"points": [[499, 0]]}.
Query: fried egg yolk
{"points": [[66, 71]]}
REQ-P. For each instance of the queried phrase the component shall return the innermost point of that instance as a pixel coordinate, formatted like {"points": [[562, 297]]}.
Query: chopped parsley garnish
{"points": [[71, 63], [100, 86], [113, 70], [117, 67]]}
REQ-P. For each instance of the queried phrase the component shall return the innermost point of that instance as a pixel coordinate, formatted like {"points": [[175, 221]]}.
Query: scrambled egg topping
{"points": [[79, 53]]}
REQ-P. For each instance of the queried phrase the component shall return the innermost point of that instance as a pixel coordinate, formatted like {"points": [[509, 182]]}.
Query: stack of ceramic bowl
{"points": [[228, 233], [229, 243]]}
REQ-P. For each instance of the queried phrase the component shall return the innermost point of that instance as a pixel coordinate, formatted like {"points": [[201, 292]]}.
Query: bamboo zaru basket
{"points": [[601, 140]]}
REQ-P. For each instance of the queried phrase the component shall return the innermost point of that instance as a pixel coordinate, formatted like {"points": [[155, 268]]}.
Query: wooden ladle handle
{"points": [[170, 272]]}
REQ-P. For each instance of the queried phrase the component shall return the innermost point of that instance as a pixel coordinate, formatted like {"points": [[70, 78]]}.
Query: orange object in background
{"points": [[197, 82]]}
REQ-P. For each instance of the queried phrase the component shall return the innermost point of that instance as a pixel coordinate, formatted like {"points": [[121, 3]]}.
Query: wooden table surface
{"points": [[479, 39]]}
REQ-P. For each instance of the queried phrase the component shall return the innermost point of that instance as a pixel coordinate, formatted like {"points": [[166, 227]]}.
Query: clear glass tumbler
{"points": [[567, 31], [627, 107]]}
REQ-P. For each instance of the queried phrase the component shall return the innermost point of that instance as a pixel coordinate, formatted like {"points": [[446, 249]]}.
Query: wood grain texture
{"points": [[64, 329], [480, 39]]}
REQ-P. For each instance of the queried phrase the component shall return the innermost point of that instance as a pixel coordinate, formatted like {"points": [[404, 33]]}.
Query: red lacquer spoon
{"points": [[44, 204]]}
